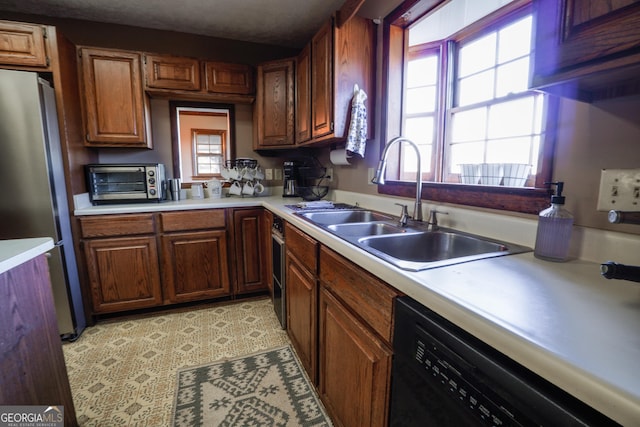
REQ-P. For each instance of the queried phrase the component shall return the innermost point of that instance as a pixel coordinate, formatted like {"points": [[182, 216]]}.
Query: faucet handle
{"points": [[433, 218], [404, 215]]}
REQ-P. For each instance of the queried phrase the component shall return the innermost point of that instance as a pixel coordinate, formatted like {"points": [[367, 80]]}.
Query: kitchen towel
{"points": [[357, 137]]}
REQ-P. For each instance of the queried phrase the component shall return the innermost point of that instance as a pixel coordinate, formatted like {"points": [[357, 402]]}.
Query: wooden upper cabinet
{"points": [[303, 95], [229, 78], [322, 81], [275, 104], [172, 72], [340, 58], [587, 50], [114, 102], [23, 44]]}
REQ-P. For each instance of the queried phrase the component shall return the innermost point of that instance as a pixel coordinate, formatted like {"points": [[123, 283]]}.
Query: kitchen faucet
{"points": [[382, 166]]}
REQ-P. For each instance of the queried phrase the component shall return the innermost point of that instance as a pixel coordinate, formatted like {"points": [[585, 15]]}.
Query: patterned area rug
{"points": [[269, 388]]}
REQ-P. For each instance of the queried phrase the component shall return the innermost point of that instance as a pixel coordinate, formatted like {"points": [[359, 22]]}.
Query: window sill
{"points": [[523, 200]]}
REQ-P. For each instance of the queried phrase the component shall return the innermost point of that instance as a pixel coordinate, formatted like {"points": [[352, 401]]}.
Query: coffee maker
{"points": [[301, 179], [290, 178]]}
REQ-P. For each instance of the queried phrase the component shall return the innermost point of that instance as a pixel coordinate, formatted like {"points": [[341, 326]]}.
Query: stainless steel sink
{"points": [[362, 229], [422, 250], [342, 216], [410, 248]]}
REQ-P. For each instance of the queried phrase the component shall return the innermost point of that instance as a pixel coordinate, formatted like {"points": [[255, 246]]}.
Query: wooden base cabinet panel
{"points": [[195, 266], [355, 367], [124, 273], [250, 250], [31, 358], [302, 313]]}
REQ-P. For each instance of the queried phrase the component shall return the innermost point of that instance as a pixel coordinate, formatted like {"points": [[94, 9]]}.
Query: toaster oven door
{"points": [[118, 183]]}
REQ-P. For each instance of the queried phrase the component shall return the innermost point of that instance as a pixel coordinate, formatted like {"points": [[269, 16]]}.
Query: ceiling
{"points": [[289, 23]]}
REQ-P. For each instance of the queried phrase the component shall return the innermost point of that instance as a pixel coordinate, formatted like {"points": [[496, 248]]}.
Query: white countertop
{"points": [[18, 251], [561, 320]]}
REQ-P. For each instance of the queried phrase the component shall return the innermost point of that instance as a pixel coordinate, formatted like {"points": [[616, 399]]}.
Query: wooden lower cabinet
{"points": [[250, 250], [301, 289], [124, 273], [147, 260], [302, 314], [195, 266], [31, 358], [355, 367]]}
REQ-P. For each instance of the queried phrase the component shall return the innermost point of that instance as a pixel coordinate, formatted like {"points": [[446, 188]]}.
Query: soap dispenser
{"points": [[554, 229]]}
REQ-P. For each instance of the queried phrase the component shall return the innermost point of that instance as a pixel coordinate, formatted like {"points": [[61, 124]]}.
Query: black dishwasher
{"points": [[443, 376]]}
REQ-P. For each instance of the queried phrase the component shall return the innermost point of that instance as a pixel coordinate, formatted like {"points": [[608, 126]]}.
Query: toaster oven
{"points": [[124, 183]]}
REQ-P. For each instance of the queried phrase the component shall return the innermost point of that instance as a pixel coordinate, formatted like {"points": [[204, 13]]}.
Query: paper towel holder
{"points": [[339, 156]]}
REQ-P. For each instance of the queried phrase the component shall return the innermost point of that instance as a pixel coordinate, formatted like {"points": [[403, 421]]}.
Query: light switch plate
{"points": [[619, 190], [268, 174], [277, 174]]}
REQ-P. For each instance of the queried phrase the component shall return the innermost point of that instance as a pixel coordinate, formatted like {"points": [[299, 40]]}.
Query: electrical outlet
{"points": [[277, 174], [329, 174], [619, 190], [268, 174]]}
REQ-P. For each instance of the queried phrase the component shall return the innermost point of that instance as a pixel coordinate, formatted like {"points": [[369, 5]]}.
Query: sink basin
{"points": [[410, 248], [343, 216], [363, 229], [422, 250]]}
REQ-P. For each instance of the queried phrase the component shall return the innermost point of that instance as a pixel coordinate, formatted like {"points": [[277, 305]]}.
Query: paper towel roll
{"points": [[339, 157]]}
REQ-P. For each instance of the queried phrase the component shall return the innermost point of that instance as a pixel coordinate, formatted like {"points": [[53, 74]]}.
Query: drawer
{"points": [[116, 225], [192, 220], [302, 247], [367, 296]]}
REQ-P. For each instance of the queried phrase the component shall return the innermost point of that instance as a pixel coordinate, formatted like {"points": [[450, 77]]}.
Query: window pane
{"points": [[515, 150], [465, 153], [476, 88], [410, 160], [513, 77], [511, 118], [423, 71], [421, 100], [419, 130], [515, 40], [478, 55], [469, 125], [537, 124]]}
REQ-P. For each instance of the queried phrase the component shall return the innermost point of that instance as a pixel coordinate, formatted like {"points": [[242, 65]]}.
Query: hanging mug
{"points": [[247, 189], [235, 188]]}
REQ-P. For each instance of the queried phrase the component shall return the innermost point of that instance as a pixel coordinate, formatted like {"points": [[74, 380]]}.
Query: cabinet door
{"points": [[593, 44], [22, 44], [301, 296], [124, 273], [172, 72], [355, 367], [322, 81], [275, 104], [113, 98], [194, 265], [251, 271], [303, 95], [229, 78], [31, 358]]}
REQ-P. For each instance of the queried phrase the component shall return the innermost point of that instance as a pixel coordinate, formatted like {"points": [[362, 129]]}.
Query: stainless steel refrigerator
{"points": [[33, 198]]}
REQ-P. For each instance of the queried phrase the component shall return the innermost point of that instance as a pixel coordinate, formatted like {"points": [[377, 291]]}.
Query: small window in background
{"points": [[208, 152]]}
